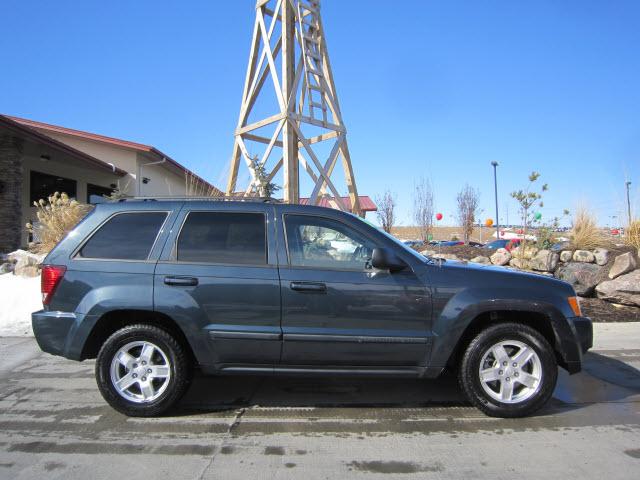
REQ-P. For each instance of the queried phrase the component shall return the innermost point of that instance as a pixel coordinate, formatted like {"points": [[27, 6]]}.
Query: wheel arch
{"points": [[114, 320], [537, 320]]}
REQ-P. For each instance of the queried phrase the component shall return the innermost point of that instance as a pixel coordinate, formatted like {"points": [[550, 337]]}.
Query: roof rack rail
{"points": [[201, 198]]}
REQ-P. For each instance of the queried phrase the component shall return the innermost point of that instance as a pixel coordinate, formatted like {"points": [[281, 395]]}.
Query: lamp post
{"points": [[495, 187], [628, 184]]}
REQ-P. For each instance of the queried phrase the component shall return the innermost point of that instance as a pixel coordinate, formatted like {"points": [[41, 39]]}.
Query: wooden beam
{"points": [[261, 123], [259, 139]]}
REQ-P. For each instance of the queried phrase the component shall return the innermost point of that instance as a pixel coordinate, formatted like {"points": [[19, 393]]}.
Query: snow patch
{"points": [[19, 297]]}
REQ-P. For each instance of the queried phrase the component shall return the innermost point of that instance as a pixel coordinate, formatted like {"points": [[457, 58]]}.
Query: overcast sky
{"points": [[433, 88]]}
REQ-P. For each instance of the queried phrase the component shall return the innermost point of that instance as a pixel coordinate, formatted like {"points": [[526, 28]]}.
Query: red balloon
{"points": [[438, 216], [615, 231]]}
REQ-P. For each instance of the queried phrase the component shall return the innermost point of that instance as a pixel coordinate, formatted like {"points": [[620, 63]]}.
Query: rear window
{"points": [[216, 237], [126, 236]]}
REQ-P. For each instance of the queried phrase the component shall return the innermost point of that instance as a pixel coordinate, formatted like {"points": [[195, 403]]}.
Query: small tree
{"points": [[468, 199], [386, 210], [264, 186], [423, 208], [527, 199]]}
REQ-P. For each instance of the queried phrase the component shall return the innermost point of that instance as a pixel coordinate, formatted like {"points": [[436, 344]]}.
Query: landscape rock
{"points": [[446, 256], [545, 261], [481, 259], [584, 256], [428, 253], [566, 256], [526, 253], [18, 255], [624, 263], [522, 264], [601, 255], [582, 276], [26, 270], [624, 289], [7, 267], [501, 257]]}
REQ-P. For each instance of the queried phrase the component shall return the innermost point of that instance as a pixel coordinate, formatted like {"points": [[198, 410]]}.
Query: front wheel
{"points": [[508, 370], [142, 370]]}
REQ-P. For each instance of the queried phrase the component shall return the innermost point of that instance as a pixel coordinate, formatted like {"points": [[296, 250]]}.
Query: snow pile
{"points": [[19, 297]]}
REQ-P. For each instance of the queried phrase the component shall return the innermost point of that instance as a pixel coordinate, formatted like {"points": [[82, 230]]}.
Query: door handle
{"points": [[308, 287], [181, 281]]}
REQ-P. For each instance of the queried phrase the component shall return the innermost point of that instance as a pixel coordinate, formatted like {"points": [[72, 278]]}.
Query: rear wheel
{"points": [[508, 370], [142, 370]]}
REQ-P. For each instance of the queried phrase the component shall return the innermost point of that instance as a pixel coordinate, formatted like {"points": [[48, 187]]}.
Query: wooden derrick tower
{"points": [[304, 126]]}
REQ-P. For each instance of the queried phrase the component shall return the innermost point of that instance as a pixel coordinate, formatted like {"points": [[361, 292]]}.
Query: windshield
{"points": [[419, 256]]}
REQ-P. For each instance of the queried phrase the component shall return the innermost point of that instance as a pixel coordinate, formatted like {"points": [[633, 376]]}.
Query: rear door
{"points": [[339, 311], [218, 278]]}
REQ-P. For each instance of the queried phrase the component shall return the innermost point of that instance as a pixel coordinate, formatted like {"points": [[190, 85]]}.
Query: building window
{"points": [[231, 238], [42, 185], [126, 236], [97, 191]]}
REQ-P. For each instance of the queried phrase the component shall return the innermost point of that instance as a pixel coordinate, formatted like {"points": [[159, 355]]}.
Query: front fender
{"points": [[462, 309]]}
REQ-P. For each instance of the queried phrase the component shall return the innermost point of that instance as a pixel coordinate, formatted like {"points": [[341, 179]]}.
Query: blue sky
{"points": [[438, 89]]}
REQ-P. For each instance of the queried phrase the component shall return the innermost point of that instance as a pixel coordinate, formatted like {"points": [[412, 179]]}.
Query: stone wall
{"points": [[609, 274], [10, 193]]}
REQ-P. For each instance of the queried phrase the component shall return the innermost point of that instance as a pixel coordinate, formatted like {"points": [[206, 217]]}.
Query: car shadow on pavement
{"points": [[603, 379]]}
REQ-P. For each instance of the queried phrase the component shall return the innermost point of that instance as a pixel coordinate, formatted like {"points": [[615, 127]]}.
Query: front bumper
{"points": [[576, 342]]}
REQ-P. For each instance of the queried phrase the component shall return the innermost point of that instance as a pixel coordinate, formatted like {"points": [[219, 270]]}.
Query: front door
{"points": [[339, 311], [218, 278]]}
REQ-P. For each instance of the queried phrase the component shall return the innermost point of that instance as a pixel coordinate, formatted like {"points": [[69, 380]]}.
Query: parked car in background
{"points": [[476, 244], [413, 243], [509, 244], [154, 289], [450, 243]]}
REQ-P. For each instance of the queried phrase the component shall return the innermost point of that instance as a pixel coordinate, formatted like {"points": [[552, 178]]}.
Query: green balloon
{"points": [[537, 216]]}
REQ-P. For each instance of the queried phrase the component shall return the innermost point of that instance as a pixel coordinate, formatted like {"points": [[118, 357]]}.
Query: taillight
{"points": [[50, 277]]}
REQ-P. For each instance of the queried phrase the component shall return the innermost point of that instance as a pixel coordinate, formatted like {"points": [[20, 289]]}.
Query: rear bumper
{"points": [[57, 332]]}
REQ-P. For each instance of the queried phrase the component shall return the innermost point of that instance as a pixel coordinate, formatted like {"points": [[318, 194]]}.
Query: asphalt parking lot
{"points": [[54, 424]]}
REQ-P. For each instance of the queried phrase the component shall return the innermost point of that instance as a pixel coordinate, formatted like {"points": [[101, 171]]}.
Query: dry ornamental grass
{"points": [[585, 234], [632, 235], [56, 216]]}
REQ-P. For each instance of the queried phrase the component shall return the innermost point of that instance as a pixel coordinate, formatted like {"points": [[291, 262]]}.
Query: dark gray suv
{"points": [[154, 288]]}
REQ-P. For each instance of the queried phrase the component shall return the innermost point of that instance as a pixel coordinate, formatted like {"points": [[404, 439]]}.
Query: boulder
{"points": [[18, 255], [501, 257], [27, 270], [601, 255], [582, 276], [526, 253], [545, 261], [624, 263], [7, 267], [624, 289], [446, 256], [566, 256], [584, 256], [481, 259], [522, 264], [428, 253]]}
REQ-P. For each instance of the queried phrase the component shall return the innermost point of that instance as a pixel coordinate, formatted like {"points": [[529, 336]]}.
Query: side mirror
{"points": [[384, 259]]}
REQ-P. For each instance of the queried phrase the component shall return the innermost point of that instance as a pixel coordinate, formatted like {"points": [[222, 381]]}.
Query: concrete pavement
{"points": [[54, 424]]}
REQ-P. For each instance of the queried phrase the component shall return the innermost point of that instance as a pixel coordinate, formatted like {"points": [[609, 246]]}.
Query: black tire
{"points": [[469, 371], [178, 366]]}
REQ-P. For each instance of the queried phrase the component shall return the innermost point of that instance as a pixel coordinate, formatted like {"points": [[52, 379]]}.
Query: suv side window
{"points": [[125, 236], [223, 237], [325, 243]]}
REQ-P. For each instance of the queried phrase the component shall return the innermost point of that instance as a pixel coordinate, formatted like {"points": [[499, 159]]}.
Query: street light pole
{"points": [[495, 187], [628, 184]]}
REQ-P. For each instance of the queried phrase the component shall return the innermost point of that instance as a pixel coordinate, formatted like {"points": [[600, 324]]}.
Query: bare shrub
{"points": [[585, 234], [632, 235], [468, 199], [56, 216], [386, 212], [423, 208]]}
